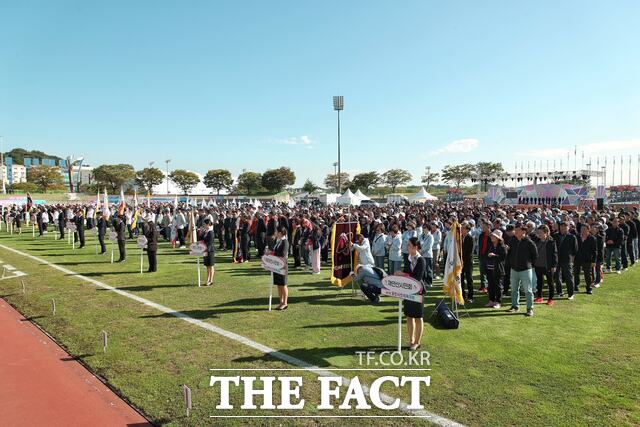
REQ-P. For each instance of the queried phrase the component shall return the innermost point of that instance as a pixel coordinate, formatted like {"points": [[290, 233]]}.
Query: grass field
{"points": [[572, 364]]}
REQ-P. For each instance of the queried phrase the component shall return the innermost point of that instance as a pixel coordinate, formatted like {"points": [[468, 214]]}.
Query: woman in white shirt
{"points": [[394, 246], [378, 248]]}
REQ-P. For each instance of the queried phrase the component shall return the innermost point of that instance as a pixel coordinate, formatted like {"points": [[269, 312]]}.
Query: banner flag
{"points": [[123, 204], [453, 266], [343, 259], [106, 213]]}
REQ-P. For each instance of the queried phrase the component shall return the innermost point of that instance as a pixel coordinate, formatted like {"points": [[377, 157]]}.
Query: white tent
{"points": [[328, 198], [348, 198], [422, 196], [359, 194]]}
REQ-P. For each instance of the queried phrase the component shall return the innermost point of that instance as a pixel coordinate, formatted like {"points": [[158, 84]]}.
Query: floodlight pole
{"points": [[167, 162], [338, 105]]}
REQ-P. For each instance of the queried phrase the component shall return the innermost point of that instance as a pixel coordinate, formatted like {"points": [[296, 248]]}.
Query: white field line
{"points": [[434, 418]]}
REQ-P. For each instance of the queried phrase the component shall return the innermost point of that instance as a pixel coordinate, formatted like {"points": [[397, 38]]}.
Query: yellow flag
{"points": [[453, 266]]}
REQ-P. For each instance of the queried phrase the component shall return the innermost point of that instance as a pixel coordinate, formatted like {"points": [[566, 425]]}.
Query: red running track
{"points": [[40, 384]]}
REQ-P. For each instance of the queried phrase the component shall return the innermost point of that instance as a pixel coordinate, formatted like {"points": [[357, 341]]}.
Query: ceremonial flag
{"points": [[203, 204], [343, 259], [135, 199], [95, 212], [175, 202], [453, 266], [148, 199], [192, 234], [29, 202], [134, 220], [106, 213], [123, 204]]}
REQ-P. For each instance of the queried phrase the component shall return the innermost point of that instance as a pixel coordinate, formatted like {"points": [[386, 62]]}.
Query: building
{"points": [[16, 174], [85, 175]]}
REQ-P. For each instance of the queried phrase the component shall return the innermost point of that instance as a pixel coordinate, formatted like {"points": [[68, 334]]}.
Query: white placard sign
{"points": [[141, 241], [406, 288], [113, 236], [197, 249], [71, 226], [274, 264]]}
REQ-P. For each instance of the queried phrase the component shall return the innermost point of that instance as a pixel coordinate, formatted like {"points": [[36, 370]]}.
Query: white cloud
{"points": [[302, 140], [605, 147], [458, 146]]}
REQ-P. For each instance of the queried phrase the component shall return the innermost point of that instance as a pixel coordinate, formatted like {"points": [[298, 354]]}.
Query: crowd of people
{"points": [[544, 251]]}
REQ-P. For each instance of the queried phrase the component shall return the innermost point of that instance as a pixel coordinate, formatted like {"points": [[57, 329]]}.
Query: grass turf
{"points": [[572, 364]]}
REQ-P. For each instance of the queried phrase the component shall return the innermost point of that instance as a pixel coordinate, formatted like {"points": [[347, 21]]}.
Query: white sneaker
{"points": [[570, 298], [618, 272]]}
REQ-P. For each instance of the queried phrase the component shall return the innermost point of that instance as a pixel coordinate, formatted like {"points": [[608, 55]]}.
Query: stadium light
{"points": [[167, 162], [338, 105]]}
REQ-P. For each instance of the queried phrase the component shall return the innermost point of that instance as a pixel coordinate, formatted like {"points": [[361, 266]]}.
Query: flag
{"points": [[192, 234], [123, 204], [148, 199], [29, 202], [453, 266], [135, 199], [175, 202], [203, 204], [343, 259], [106, 213], [134, 220], [95, 212]]}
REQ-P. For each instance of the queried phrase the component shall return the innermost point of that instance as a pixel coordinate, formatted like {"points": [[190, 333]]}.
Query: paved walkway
{"points": [[40, 384]]}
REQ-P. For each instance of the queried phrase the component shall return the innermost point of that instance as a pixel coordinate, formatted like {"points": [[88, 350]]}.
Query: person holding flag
{"points": [[453, 265]]}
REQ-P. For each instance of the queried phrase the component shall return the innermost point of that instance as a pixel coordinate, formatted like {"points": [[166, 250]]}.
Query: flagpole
{"points": [[399, 325]]}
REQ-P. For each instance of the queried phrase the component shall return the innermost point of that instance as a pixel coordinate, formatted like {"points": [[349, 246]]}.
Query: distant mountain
{"points": [[18, 155]]}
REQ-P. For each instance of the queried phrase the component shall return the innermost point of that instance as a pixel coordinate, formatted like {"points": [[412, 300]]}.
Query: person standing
{"points": [[394, 247], [101, 224], [79, 222], [120, 228], [508, 238], [466, 278], [151, 233], [363, 249], [209, 257], [546, 263], [613, 240], [281, 249], [261, 234], [495, 269], [414, 310], [378, 249], [586, 257], [567, 245], [426, 251], [522, 255], [484, 241], [437, 241], [62, 222], [596, 231]]}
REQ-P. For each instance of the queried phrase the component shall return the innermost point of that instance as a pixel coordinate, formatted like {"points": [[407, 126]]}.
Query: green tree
{"points": [[486, 169], [275, 180], [428, 178], [458, 174], [331, 181], [45, 177], [218, 179], [113, 176], [148, 178], [184, 179], [365, 181], [248, 182], [309, 186], [395, 177], [25, 187]]}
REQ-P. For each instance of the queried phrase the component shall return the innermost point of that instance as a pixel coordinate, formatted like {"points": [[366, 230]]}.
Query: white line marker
{"points": [[434, 418]]}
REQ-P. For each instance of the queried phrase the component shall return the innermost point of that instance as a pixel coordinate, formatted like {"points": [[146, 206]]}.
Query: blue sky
{"points": [[248, 84]]}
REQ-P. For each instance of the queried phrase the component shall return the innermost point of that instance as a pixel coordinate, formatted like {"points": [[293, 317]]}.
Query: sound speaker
{"points": [[446, 317]]}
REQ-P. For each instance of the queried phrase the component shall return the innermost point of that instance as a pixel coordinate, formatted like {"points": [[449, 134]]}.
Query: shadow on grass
{"points": [[316, 355], [148, 287]]}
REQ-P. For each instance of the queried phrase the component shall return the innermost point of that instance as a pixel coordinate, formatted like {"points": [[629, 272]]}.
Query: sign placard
{"points": [[113, 236], [402, 287], [197, 249], [141, 241], [274, 264], [71, 226]]}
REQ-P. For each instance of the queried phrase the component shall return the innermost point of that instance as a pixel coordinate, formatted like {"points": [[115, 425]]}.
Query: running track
{"points": [[40, 384]]}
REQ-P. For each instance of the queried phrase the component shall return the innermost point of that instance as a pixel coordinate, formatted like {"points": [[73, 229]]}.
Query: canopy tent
{"points": [[328, 198], [359, 194], [422, 196], [348, 198], [282, 197]]}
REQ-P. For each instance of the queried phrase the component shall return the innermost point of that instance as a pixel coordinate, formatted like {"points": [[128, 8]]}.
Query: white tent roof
{"points": [[422, 196], [348, 198], [361, 195]]}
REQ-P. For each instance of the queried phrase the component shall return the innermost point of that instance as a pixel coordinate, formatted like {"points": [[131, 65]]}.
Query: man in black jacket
{"points": [[62, 222], [509, 238], [546, 263], [261, 234], [467, 263], [78, 219], [613, 240], [102, 230], [522, 256], [567, 247], [151, 234], [585, 260], [120, 228], [631, 236]]}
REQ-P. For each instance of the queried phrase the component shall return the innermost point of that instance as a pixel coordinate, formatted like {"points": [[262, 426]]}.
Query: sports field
{"points": [[571, 364]]}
